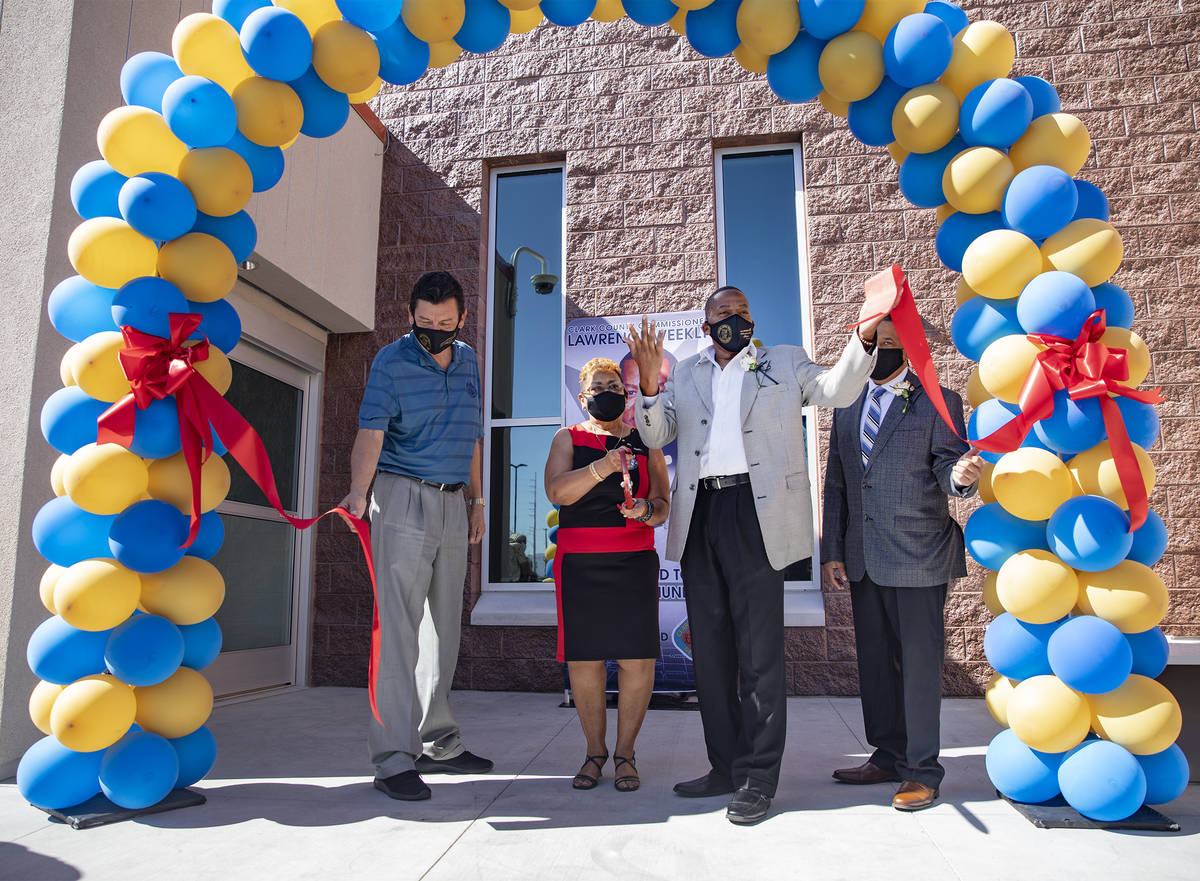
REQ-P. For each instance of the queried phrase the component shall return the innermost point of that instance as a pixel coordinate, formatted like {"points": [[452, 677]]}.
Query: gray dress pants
{"points": [[419, 539]]}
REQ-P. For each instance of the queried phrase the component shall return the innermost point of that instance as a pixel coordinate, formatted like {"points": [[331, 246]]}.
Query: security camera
{"points": [[544, 283]]}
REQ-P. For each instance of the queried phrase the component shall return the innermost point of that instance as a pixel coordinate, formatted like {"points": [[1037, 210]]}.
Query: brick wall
{"points": [[636, 115]]}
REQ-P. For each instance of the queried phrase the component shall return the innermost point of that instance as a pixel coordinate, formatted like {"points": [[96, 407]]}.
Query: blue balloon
{"points": [[156, 430], [1141, 421], [1116, 303], [1089, 654], [144, 650], [871, 118], [650, 13], [220, 324], [210, 536], [199, 112], [197, 754], [145, 77], [712, 31], [1102, 780], [201, 643], [403, 59], [60, 653], [237, 231], [1056, 303], [1166, 773], [158, 206], [69, 417], [1044, 96], [1092, 201], [1150, 650], [146, 303], [981, 321], [917, 51], [65, 534], [146, 536], [549, 568], [276, 43], [139, 770], [992, 535], [552, 535], [995, 114], [1021, 773], [235, 11], [485, 27], [1017, 649], [1089, 533], [52, 777], [921, 177], [792, 74], [94, 190], [958, 230], [78, 308], [1073, 427], [325, 110], [568, 13], [989, 416], [1040, 201], [266, 163], [371, 15], [826, 19], [1149, 540]]}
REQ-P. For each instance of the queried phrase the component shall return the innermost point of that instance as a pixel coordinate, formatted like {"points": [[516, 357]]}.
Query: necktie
{"points": [[870, 428]]}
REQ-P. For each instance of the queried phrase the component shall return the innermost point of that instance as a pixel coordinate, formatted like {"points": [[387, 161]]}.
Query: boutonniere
{"points": [[903, 389], [760, 369]]}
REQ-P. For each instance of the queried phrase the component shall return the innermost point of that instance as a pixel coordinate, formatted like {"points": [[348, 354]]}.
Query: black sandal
{"points": [[628, 782], [583, 781]]}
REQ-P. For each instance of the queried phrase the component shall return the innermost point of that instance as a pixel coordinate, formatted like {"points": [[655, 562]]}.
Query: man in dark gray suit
{"points": [[888, 536]]}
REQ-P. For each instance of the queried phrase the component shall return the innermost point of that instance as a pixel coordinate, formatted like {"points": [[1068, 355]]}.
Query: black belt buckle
{"points": [[724, 481], [444, 487]]}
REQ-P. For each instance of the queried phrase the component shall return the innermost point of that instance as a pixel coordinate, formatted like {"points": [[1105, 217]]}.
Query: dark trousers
{"points": [[735, 611], [901, 639]]}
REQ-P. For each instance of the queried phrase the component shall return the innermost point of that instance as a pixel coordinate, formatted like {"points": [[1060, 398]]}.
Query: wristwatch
{"points": [[476, 501]]}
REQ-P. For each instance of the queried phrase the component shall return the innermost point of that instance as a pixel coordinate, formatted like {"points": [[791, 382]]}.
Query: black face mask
{"points": [[606, 406], [733, 333], [888, 362], [433, 340]]}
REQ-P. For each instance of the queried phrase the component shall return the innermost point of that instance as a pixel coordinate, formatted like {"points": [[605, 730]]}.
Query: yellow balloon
{"points": [[443, 54], [105, 478], [216, 369], [97, 594], [41, 701], [976, 180], [880, 16], [314, 13], [46, 586], [688, 5], [1096, 473], [1139, 714], [1137, 354], [206, 45], [851, 65], [608, 10], [926, 118], [434, 21], [755, 63], [1089, 248], [345, 57], [679, 21], [269, 113], [187, 593], [219, 180], [963, 291], [840, 109], [1130, 596], [943, 211], [109, 252], [56, 473], [982, 51], [1003, 368], [177, 706], [1057, 139], [551, 549], [898, 152], [1047, 715], [999, 263], [519, 5], [990, 598], [66, 370], [996, 695], [201, 266], [171, 482], [97, 370], [366, 94], [92, 713], [552, 517], [1036, 586], [986, 493], [525, 20], [768, 26], [1031, 483], [135, 140]]}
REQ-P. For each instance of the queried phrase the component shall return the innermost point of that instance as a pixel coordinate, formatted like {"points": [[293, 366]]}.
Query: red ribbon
{"points": [[158, 367], [1084, 367]]}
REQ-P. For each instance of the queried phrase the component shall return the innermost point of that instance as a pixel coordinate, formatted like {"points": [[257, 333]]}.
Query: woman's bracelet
{"points": [[595, 473], [649, 512]]}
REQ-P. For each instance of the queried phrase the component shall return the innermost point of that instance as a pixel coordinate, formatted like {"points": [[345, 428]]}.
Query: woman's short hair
{"points": [[597, 365]]}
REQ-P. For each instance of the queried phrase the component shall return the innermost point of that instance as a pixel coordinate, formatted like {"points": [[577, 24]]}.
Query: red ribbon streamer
{"points": [[1084, 367], [158, 367]]}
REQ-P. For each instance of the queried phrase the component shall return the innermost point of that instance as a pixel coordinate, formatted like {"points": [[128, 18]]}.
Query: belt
{"points": [[444, 487], [724, 481]]}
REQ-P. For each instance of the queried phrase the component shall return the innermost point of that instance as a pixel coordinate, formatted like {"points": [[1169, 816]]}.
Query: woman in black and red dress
{"points": [[606, 568]]}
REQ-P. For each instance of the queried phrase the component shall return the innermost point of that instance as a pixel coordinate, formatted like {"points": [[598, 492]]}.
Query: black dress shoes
{"points": [[704, 787], [405, 786], [465, 762], [747, 807], [865, 774]]}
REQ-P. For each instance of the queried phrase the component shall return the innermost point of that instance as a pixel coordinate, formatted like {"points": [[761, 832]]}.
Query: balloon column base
{"points": [[99, 811], [1057, 814]]}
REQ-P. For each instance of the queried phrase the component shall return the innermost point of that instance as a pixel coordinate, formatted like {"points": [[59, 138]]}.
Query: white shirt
{"points": [[885, 400], [724, 452]]}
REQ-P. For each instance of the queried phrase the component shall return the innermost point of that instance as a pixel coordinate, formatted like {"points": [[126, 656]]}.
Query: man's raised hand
{"points": [[647, 350]]}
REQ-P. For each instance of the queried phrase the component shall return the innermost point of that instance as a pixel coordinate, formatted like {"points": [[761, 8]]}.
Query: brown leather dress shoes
{"points": [[914, 796], [864, 774]]}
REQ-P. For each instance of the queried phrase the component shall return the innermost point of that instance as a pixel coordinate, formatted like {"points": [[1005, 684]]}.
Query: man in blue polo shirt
{"points": [[419, 438]]}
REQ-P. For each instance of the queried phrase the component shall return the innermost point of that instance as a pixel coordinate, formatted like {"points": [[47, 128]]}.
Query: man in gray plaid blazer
{"points": [[888, 536]]}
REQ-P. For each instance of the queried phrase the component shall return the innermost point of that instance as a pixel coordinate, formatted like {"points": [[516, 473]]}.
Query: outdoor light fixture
{"points": [[543, 282]]}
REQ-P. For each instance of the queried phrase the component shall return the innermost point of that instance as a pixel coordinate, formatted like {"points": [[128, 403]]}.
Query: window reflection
{"points": [[518, 507], [275, 410], [256, 560]]}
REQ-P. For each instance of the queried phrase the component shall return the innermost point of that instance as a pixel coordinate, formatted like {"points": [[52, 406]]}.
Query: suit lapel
{"points": [[701, 377], [896, 412], [750, 386]]}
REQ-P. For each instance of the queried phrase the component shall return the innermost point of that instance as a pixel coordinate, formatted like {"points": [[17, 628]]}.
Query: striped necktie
{"points": [[870, 428]]}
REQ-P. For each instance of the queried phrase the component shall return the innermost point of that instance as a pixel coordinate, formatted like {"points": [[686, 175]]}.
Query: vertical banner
{"points": [[588, 338]]}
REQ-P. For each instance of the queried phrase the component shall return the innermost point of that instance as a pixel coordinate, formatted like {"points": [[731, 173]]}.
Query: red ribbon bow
{"points": [[161, 366]]}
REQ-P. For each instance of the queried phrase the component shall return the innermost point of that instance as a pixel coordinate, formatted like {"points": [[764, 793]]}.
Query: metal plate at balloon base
{"points": [[99, 811], [1057, 814]]}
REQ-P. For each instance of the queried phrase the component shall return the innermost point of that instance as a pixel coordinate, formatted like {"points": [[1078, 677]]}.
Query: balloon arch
{"points": [[1066, 530]]}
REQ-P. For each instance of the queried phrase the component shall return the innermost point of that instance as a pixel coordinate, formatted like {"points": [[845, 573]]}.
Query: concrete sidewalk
{"points": [[291, 798]]}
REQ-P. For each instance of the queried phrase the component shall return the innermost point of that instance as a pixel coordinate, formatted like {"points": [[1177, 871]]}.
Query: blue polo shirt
{"points": [[431, 418]]}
